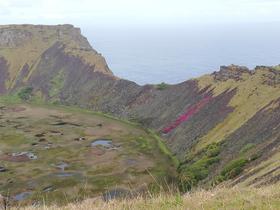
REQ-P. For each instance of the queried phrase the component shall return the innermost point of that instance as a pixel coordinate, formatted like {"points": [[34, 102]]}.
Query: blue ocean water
{"points": [[174, 54]]}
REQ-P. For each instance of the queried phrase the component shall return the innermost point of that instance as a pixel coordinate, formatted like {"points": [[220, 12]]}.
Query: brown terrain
{"points": [[222, 126]]}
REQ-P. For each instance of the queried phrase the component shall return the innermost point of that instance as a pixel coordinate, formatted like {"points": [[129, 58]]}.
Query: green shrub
{"points": [[213, 150], [25, 93], [190, 174], [162, 86], [233, 168]]}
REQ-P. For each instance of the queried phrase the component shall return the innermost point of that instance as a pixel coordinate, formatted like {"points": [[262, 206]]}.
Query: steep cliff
{"points": [[221, 126], [23, 49]]}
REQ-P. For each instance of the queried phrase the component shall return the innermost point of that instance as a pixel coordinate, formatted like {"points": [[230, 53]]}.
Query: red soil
{"points": [[187, 115]]}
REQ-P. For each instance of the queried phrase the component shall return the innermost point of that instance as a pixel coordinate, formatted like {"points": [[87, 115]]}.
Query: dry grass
{"points": [[218, 198], [252, 95], [264, 171], [31, 50]]}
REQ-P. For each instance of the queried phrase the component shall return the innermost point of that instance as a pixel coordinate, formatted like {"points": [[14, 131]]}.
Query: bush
{"points": [[233, 168], [25, 93], [162, 86], [190, 174], [213, 150]]}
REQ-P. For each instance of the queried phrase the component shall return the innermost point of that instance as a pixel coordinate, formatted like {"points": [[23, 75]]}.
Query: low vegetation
{"points": [[25, 93], [232, 169], [162, 86], [247, 148], [47, 154], [197, 167], [217, 198]]}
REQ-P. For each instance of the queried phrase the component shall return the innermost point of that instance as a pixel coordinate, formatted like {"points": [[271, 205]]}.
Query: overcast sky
{"points": [[135, 12]]}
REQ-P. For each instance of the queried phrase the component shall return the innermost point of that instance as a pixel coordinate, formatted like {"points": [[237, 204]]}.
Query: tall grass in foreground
{"points": [[219, 198]]}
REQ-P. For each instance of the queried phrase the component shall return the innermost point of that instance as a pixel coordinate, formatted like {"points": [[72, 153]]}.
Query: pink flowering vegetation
{"points": [[187, 115]]}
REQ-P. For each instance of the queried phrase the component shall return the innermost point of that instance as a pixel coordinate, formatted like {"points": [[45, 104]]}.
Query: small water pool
{"points": [[103, 142], [22, 196], [64, 174]]}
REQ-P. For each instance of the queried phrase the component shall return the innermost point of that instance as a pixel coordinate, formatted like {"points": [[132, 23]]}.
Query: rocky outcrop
{"points": [[13, 37], [271, 75], [230, 72]]}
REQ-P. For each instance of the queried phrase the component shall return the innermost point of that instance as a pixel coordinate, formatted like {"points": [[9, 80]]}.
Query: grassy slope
{"points": [[32, 49], [266, 169], [252, 95], [218, 198]]}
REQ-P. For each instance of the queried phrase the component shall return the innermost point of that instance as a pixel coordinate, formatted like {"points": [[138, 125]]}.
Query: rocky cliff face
{"points": [[24, 47], [221, 126]]}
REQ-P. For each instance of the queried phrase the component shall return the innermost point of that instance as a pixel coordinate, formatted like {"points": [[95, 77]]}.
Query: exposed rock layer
{"points": [[242, 106]]}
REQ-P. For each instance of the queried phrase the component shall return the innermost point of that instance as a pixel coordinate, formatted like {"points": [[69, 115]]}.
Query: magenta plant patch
{"points": [[189, 113]]}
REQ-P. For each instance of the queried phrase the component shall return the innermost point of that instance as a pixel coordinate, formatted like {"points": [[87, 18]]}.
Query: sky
{"points": [[137, 12]]}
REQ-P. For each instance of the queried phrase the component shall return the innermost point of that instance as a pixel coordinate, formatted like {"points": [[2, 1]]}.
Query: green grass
{"points": [[57, 84], [233, 168], [10, 99], [13, 140], [247, 148], [164, 148]]}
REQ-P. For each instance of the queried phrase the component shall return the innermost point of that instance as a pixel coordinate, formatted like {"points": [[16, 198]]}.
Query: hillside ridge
{"points": [[221, 126], [23, 48]]}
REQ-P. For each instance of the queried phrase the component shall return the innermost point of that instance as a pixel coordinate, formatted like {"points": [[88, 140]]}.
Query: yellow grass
{"points": [[252, 95], [31, 51], [219, 198], [266, 168]]}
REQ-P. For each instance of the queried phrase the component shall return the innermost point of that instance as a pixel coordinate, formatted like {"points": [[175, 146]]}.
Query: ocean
{"points": [[173, 54]]}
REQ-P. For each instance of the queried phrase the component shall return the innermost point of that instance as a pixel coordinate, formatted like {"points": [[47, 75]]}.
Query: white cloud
{"points": [[137, 11]]}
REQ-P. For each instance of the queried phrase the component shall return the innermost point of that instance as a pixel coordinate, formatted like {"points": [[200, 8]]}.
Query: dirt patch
{"points": [[96, 151], [16, 109], [10, 158]]}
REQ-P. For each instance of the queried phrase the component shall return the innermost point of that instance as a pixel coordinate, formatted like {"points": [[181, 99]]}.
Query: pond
{"points": [[64, 174], [22, 196], [108, 144]]}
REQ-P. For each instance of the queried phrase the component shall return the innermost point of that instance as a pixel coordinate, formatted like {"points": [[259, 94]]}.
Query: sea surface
{"points": [[173, 54]]}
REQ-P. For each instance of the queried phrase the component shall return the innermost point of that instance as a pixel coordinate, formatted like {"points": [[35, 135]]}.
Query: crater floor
{"points": [[60, 154]]}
